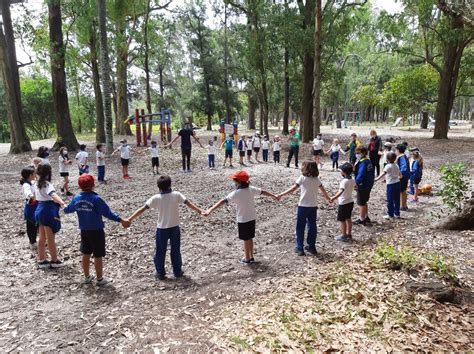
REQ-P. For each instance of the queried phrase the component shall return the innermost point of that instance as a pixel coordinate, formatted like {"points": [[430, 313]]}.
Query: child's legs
{"points": [[86, 263], [363, 210], [348, 226], [99, 266], [396, 200], [403, 199], [162, 236], [312, 228], [101, 173], [51, 243], [176, 261], [343, 228], [416, 191], [297, 150], [66, 183], [31, 231], [390, 199], [188, 158], [412, 190], [42, 243], [300, 227], [209, 161], [183, 158], [248, 246]]}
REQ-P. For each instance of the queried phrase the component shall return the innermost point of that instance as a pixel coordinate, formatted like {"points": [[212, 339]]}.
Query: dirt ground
{"points": [[219, 303]]}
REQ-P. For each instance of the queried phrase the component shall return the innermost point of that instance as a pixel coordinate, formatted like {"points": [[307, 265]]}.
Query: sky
{"points": [[391, 6]]}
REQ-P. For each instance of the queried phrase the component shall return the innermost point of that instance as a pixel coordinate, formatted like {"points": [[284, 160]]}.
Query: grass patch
{"points": [[442, 266], [240, 342], [396, 257]]}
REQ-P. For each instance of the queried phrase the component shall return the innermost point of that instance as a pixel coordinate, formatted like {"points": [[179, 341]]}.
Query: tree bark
{"points": [[226, 70], [106, 85], [146, 65], [317, 71], [122, 78], [99, 104], [66, 136], [286, 111], [251, 109], [19, 141], [424, 120]]}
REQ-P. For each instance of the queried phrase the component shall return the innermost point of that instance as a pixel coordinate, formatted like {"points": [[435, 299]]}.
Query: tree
{"points": [[105, 69], [66, 136], [317, 70], [19, 141]]}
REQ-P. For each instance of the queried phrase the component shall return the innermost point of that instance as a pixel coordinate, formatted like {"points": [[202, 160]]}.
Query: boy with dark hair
{"points": [[167, 203], [90, 209], [364, 178], [229, 147], [81, 158], [100, 162], [404, 165], [242, 147]]}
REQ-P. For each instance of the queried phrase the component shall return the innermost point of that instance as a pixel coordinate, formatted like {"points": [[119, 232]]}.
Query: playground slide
{"points": [[397, 122]]}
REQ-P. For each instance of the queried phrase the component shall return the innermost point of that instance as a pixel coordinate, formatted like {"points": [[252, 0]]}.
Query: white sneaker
{"points": [[87, 280], [388, 217], [57, 264], [103, 281], [44, 264]]}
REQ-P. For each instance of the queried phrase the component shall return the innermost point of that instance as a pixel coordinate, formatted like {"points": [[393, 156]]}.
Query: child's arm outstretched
{"points": [[382, 175], [137, 213], [194, 207], [214, 207], [337, 195], [104, 210], [288, 191], [57, 199], [325, 194], [271, 195]]}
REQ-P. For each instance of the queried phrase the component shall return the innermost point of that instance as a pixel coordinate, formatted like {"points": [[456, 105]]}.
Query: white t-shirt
{"points": [[81, 157], [335, 147], [100, 158], [28, 190], [211, 150], [318, 144], [63, 167], [44, 194], [45, 161], [309, 191], [154, 151], [392, 173], [244, 201], [249, 144], [256, 142], [276, 146], [167, 205], [348, 185], [124, 152], [265, 145]]}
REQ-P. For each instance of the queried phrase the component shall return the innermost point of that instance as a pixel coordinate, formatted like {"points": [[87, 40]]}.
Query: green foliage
{"points": [[83, 115], [442, 266], [4, 130], [456, 185], [38, 112], [396, 257]]}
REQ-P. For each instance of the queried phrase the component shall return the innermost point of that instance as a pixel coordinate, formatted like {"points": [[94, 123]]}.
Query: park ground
{"points": [[346, 298]]}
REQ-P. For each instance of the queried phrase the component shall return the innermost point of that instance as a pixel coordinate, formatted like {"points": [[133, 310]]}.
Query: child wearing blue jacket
{"points": [[90, 209], [416, 173], [404, 165], [364, 178]]}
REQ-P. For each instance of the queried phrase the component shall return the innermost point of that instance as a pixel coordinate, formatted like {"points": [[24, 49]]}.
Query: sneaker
{"points": [[231, 166], [367, 220], [413, 201], [44, 264], [397, 217], [344, 238], [160, 276], [358, 222], [245, 261], [57, 264], [300, 253], [388, 217], [103, 281], [180, 275], [287, 165], [252, 260], [404, 209], [311, 251], [69, 194], [87, 280]]}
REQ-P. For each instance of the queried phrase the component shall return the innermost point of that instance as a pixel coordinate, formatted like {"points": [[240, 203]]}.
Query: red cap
{"points": [[86, 182], [240, 175]]}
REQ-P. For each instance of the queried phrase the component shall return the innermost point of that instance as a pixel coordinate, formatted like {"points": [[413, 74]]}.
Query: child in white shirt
{"points": [[100, 162], [244, 199], [265, 148], [309, 183], [334, 151], [211, 154], [345, 203], [125, 150], [386, 150], [393, 175], [81, 158], [155, 159], [249, 149], [64, 164], [276, 149], [167, 204], [27, 181], [318, 144]]}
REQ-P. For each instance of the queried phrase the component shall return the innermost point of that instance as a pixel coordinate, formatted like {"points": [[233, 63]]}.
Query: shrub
{"points": [[456, 185]]}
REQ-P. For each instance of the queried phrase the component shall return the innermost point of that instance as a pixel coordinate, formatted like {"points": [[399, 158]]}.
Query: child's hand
{"points": [[125, 223], [205, 213]]}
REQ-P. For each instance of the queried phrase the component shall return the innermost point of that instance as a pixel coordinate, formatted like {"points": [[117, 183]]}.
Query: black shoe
{"points": [[311, 251], [252, 260], [288, 165], [180, 275], [358, 222], [245, 261], [160, 277], [367, 221], [300, 253]]}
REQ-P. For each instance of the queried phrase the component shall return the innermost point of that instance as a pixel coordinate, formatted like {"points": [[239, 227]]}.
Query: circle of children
{"points": [[43, 202]]}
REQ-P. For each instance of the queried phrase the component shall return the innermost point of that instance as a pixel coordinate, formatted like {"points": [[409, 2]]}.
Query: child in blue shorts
{"points": [[90, 209], [28, 177]]}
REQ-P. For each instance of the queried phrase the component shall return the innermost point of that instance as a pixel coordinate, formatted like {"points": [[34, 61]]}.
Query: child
{"points": [[249, 149], [364, 178], [265, 148], [47, 216], [43, 154], [318, 144], [167, 203], [416, 173], [27, 181], [256, 145], [393, 175], [386, 150], [229, 146], [36, 161], [100, 161], [125, 150], [81, 158], [64, 163], [242, 147], [276, 149], [211, 154], [155, 160], [309, 183], [345, 203], [351, 147], [407, 151], [404, 165], [90, 209], [244, 199], [334, 153]]}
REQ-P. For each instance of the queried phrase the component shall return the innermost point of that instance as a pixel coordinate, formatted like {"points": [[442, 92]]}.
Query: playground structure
{"points": [[140, 119], [351, 115], [228, 129]]}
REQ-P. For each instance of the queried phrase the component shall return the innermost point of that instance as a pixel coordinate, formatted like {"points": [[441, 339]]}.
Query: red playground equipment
{"points": [[140, 119]]}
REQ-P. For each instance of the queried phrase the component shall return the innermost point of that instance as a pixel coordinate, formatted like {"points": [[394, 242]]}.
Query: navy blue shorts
{"points": [[29, 212], [47, 214]]}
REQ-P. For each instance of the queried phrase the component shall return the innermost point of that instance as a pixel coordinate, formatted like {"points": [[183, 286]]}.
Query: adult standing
{"points": [[256, 145], [375, 150], [186, 133], [294, 141], [351, 147]]}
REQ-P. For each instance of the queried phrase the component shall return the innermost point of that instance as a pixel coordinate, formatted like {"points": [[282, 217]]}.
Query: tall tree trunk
{"points": [[317, 70], [66, 136], [209, 109], [228, 112], [115, 106], [105, 68], [19, 141], [147, 69], [99, 104], [424, 120], [251, 109], [122, 78], [286, 111], [78, 101]]}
